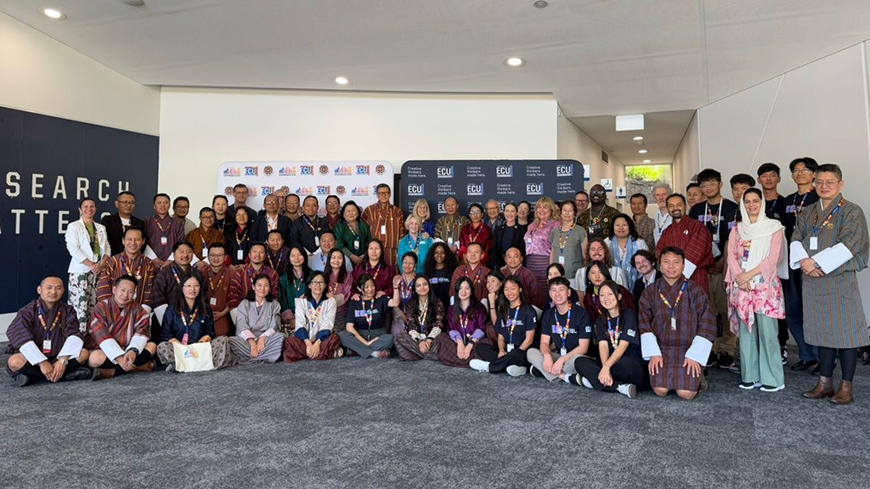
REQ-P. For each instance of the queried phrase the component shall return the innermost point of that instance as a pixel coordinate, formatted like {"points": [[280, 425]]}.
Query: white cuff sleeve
{"points": [[649, 346], [72, 347], [700, 350], [690, 269], [111, 349], [160, 311], [833, 258], [138, 342], [796, 254], [32, 353], [150, 253]]}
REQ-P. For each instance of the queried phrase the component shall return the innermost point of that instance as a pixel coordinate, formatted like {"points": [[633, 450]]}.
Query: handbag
{"points": [[195, 357]]}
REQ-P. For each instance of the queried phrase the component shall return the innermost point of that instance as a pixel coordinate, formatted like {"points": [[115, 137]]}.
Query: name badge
{"points": [[716, 238], [384, 229], [213, 301], [528, 242], [510, 347], [356, 244], [450, 242], [46, 346], [240, 255], [674, 323], [164, 240], [317, 241], [814, 242], [561, 260], [204, 253], [563, 351]]}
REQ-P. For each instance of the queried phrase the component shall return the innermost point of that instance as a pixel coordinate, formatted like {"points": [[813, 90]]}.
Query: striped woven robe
{"points": [[833, 312]]}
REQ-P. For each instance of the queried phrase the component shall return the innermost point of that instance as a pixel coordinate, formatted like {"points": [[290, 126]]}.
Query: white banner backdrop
{"points": [[349, 180]]}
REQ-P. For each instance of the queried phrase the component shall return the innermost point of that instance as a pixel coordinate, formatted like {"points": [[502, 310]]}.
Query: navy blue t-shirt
{"points": [[580, 327], [526, 320], [626, 324], [356, 313]]}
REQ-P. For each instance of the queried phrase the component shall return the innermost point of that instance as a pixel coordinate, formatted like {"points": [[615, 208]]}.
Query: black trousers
{"points": [[627, 370], [141, 359], [36, 375], [497, 365]]}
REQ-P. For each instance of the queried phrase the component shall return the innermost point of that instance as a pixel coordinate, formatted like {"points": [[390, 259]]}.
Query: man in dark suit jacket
{"points": [[117, 223], [270, 220]]}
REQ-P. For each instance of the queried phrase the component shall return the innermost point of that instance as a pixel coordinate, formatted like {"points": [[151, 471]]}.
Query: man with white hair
{"points": [[663, 218]]}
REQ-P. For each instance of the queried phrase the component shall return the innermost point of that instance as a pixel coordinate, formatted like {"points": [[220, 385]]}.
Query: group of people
{"points": [[575, 291]]}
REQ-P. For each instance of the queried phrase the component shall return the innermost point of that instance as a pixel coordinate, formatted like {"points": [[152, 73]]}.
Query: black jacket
{"points": [[115, 230]]}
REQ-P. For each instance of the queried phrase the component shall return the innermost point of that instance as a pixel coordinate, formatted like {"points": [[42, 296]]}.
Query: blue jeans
{"points": [[794, 315]]}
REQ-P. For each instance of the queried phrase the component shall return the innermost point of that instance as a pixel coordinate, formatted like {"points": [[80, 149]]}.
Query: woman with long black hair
{"points": [[517, 320]]}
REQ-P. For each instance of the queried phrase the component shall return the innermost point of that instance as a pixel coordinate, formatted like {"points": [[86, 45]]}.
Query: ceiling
{"points": [[598, 57]]}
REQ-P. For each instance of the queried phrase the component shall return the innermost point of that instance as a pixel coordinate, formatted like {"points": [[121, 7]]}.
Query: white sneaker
{"points": [[770, 388], [585, 382], [627, 390], [479, 365], [515, 370]]}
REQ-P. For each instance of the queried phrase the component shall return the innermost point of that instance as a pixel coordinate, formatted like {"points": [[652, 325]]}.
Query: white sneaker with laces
{"points": [[771, 388], [479, 365], [585, 382], [627, 390], [516, 370]]}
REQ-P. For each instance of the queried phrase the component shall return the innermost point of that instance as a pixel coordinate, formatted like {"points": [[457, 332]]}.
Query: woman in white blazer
{"points": [[88, 245]]}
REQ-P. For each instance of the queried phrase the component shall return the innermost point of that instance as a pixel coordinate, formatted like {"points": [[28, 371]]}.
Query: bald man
{"points": [[271, 220], [514, 266], [45, 339]]}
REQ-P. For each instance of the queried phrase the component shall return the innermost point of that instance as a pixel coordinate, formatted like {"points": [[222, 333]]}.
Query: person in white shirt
{"points": [[88, 246], [318, 260]]}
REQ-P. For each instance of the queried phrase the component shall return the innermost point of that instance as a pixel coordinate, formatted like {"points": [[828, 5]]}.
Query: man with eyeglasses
{"points": [[118, 222], [717, 214], [830, 245], [598, 219], [581, 200], [803, 172], [387, 223], [449, 227], [493, 218]]}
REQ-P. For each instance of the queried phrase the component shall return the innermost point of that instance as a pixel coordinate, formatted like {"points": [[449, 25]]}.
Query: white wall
{"points": [[819, 110], [41, 75], [687, 158], [202, 128], [575, 144]]}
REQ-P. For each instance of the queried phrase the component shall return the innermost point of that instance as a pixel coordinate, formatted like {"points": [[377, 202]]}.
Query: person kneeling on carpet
{"points": [[190, 320], [118, 333], [257, 338], [516, 333], [45, 340]]}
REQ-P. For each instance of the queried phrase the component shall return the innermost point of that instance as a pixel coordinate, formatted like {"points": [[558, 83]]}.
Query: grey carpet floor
{"points": [[373, 423]]}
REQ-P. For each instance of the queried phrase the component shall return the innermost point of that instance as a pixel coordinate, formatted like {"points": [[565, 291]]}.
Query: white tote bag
{"points": [[195, 357]]}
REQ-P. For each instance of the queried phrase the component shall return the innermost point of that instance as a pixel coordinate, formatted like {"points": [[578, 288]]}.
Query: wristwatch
{"points": [[816, 264], [133, 348], [65, 361]]}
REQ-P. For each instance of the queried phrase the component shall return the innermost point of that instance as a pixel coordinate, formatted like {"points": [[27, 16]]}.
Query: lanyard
{"points": [[175, 274], [41, 314], [718, 215], [830, 216], [563, 332], [187, 322], [422, 316], [311, 222], [377, 271], [463, 323], [676, 302], [414, 244], [477, 275], [405, 289], [473, 239], [512, 323], [272, 265], [613, 333], [799, 208], [314, 314], [168, 226], [220, 281], [241, 237], [369, 313], [131, 267]]}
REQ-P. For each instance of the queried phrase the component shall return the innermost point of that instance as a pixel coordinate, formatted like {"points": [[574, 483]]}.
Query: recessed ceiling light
{"points": [[515, 61], [341, 80], [638, 138], [647, 161], [541, 4], [53, 13], [642, 151]]}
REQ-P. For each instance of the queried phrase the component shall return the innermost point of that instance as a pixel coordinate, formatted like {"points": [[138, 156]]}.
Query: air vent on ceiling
{"points": [[605, 157]]}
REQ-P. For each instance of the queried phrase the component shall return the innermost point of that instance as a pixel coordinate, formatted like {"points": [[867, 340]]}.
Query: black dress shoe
{"points": [[802, 366], [80, 373], [21, 380]]}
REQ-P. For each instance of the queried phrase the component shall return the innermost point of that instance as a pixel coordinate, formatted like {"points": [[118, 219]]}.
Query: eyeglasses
{"points": [[827, 183], [801, 171], [317, 282], [474, 213], [597, 192]]}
